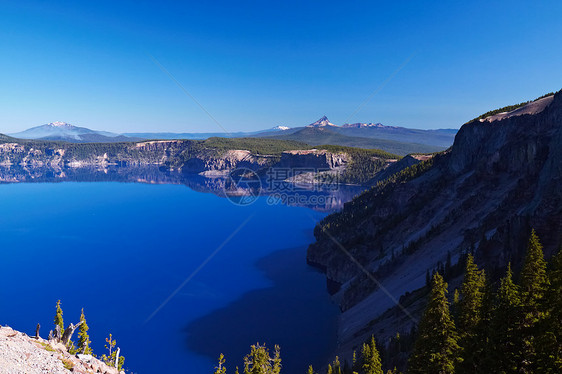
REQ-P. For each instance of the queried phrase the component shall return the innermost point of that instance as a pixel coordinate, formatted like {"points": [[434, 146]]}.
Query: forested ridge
{"points": [[508, 325]]}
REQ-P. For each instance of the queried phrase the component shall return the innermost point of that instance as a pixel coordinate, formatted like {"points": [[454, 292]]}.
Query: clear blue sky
{"points": [[258, 64]]}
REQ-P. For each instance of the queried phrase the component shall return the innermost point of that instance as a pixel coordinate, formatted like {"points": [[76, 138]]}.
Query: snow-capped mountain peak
{"points": [[65, 131], [322, 122], [360, 125], [60, 124], [280, 128]]}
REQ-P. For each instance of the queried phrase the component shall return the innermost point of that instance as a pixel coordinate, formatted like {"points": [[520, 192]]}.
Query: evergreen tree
{"points": [[436, 350], [468, 310], [505, 342], [58, 318], [370, 358], [484, 329], [336, 366], [259, 361], [83, 338], [310, 370], [112, 357], [534, 281], [550, 344], [220, 369], [534, 284]]}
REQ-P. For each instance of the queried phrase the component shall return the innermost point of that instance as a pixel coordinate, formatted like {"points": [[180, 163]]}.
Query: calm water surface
{"points": [[119, 250]]}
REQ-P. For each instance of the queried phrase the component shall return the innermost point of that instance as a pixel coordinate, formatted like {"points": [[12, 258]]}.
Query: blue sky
{"points": [[256, 64]]}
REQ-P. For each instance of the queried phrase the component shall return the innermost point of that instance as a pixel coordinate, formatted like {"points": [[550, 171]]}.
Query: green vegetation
{"points": [[47, 347], [68, 365], [58, 318], [436, 349], [84, 341], [262, 146], [370, 358], [508, 108], [516, 328], [358, 208], [318, 136], [364, 165], [469, 315], [83, 338], [111, 358]]}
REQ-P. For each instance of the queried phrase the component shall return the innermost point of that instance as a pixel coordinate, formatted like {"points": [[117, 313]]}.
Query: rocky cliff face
{"points": [[185, 156], [502, 176], [317, 159]]}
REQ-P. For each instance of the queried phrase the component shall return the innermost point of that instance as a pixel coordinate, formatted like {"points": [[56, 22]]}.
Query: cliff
{"points": [[502, 176], [213, 157]]}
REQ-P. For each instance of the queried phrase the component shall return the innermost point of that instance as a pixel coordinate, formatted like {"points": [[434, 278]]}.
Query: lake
{"points": [[121, 250]]}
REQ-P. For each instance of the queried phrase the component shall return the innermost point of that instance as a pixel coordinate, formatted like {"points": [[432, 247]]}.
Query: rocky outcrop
{"points": [[314, 158], [185, 156], [20, 353], [502, 176]]}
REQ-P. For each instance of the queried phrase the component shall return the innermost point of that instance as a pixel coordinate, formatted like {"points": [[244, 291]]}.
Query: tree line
{"points": [[511, 326], [83, 344]]}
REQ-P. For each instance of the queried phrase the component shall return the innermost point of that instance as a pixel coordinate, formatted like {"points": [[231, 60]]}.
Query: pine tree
{"points": [[110, 359], [468, 310], [310, 370], [259, 361], [436, 350], [220, 369], [534, 284], [58, 318], [505, 342], [83, 338], [484, 328], [550, 344], [337, 366], [534, 281], [370, 358]]}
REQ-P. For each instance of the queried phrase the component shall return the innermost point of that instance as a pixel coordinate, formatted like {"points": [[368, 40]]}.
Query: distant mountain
{"points": [[322, 122], [330, 135], [440, 138], [394, 139], [66, 132], [362, 125], [399, 140], [205, 135], [281, 128]]}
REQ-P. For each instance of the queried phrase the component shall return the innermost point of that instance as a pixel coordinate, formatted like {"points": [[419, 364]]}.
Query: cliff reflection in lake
{"points": [[280, 192]]}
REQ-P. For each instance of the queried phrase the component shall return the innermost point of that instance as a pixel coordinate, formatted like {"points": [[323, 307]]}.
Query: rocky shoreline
{"points": [[22, 354]]}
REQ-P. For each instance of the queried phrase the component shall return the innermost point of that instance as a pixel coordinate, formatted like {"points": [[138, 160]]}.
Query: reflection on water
{"points": [[277, 192]]}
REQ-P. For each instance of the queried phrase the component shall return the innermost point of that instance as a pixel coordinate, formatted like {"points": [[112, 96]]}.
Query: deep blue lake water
{"points": [[119, 250]]}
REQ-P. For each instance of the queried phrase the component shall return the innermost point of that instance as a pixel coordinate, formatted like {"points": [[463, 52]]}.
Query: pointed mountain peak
{"points": [[322, 122]]}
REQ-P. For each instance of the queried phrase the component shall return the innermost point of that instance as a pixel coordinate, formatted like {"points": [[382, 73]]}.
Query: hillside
{"points": [[61, 131], [211, 157], [501, 178], [438, 138], [20, 354], [330, 135]]}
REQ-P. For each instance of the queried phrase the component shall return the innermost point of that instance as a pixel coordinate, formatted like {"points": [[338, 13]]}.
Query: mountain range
{"points": [[398, 140]]}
